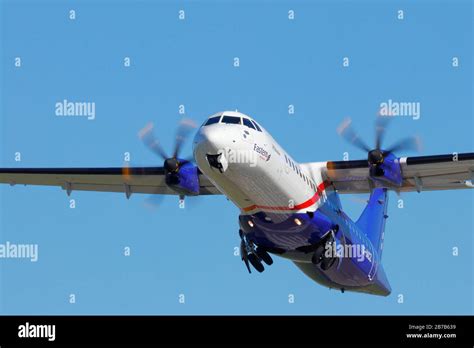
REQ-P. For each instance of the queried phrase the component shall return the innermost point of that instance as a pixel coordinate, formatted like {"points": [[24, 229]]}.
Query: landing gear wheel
{"points": [[243, 253], [327, 263], [264, 256], [318, 254], [256, 263]]}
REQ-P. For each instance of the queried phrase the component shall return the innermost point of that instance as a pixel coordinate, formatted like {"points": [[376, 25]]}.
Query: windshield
{"points": [[231, 120], [212, 120]]}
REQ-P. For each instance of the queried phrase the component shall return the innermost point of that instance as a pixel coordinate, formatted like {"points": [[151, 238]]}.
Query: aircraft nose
{"points": [[210, 147], [210, 141]]}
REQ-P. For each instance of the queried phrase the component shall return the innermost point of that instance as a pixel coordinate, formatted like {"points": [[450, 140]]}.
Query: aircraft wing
{"points": [[127, 179], [423, 173]]}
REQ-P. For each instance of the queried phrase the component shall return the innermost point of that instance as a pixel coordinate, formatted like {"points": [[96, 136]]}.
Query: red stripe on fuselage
{"points": [[321, 187]]}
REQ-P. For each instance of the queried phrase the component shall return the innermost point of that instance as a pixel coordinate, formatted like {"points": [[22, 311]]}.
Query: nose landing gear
{"points": [[253, 255]]}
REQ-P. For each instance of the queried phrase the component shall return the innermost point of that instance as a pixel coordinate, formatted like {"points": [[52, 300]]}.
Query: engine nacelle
{"points": [[388, 171], [185, 180]]}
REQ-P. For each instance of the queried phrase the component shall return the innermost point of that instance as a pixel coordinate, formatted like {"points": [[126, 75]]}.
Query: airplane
{"points": [[288, 209]]}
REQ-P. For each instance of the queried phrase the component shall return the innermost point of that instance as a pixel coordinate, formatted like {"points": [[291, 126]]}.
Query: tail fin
{"points": [[372, 219]]}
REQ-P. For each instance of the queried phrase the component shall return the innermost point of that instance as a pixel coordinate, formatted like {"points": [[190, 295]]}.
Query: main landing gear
{"points": [[253, 255], [323, 255]]}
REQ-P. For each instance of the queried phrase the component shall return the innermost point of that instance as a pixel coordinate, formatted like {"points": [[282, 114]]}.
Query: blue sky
{"points": [[190, 62]]}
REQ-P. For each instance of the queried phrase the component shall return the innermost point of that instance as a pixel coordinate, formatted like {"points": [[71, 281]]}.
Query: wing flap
{"points": [[149, 180], [120, 188]]}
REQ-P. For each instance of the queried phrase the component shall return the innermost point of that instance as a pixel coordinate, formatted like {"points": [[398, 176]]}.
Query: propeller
{"points": [[174, 163], [376, 156], [153, 201]]}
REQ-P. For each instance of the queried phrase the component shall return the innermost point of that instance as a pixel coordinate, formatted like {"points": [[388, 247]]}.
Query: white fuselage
{"points": [[256, 174]]}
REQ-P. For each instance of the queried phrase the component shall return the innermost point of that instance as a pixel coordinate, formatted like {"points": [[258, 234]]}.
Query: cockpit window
{"points": [[248, 123], [231, 120], [256, 125], [212, 120]]}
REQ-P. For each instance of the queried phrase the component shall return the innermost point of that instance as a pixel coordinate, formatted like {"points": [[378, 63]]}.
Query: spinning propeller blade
{"points": [[346, 131], [182, 133], [376, 156], [148, 138], [172, 165]]}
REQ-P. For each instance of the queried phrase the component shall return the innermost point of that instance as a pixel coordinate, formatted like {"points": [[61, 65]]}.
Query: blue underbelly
{"points": [[295, 231], [295, 236]]}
